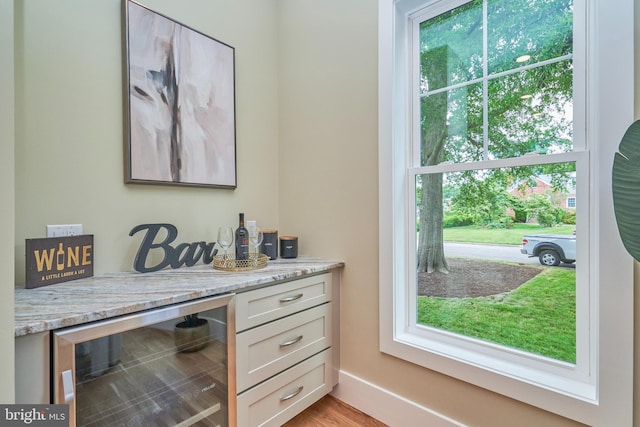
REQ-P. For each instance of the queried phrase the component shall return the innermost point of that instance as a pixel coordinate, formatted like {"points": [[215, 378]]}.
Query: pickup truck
{"points": [[551, 249]]}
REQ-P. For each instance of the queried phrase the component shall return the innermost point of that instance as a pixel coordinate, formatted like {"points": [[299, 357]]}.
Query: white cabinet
{"points": [[263, 305], [287, 352], [277, 400], [32, 361], [286, 340]]}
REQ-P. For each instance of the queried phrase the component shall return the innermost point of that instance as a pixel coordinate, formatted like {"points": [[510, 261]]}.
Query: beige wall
{"points": [[306, 90], [636, 367], [69, 147], [7, 204], [328, 151]]}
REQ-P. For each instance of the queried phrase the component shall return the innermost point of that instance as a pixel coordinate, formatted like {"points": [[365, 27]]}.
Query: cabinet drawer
{"points": [[279, 399], [263, 305], [264, 351]]}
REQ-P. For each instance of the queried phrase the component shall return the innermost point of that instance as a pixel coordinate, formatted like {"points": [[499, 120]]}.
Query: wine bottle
{"points": [[60, 258], [242, 240]]}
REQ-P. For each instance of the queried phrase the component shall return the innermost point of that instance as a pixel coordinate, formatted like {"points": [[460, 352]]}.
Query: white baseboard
{"points": [[385, 406]]}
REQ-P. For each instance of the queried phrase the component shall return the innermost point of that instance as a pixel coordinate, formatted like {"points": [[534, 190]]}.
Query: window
{"points": [[484, 122], [494, 80]]}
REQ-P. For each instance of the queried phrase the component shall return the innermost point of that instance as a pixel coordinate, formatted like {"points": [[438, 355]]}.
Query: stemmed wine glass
{"points": [[225, 239], [255, 238]]}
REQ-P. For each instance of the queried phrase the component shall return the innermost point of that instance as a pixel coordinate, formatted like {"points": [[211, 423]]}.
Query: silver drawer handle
{"points": [[292, 341], [292, 395], [293, 298]]}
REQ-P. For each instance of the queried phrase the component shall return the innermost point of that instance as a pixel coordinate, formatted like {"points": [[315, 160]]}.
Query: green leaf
{"points": [[626, 189]]}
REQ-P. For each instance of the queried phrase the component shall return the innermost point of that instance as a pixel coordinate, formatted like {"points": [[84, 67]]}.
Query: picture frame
{"points": [[179, 103]]}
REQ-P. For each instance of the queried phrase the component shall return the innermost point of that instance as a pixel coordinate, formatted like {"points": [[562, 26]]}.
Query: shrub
{"points": [[569, 217], [540, 207], [546, 218], [502, 223], [519, 208], [455, 220], [495, 225]]}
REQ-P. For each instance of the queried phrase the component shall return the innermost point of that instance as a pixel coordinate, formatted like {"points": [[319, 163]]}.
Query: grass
{"points": [[506, 236], [538, 317]]}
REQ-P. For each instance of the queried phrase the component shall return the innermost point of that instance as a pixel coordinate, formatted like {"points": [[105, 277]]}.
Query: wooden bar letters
{"points": [[183, 254]]}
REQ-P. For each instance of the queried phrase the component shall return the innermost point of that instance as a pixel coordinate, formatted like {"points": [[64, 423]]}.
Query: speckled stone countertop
{"points": [[109, 295]]}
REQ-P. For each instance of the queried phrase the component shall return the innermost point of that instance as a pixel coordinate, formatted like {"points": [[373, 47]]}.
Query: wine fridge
{"points": [[170, 366]]}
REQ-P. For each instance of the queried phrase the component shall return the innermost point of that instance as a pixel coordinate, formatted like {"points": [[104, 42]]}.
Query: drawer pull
{"points": [[293, 298], [292, 395], [292, 341]]}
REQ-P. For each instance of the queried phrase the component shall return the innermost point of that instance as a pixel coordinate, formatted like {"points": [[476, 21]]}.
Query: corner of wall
{"points": [[7, 195]]}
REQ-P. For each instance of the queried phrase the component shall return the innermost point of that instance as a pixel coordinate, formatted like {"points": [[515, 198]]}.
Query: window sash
{"points": [[581, 374], [537, 365], [415, 19]]}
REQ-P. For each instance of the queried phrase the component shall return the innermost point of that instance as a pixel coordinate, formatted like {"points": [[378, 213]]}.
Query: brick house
{"points": [[542, 185]]}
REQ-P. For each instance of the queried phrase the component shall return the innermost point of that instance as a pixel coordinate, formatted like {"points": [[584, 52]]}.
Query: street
{"points": [[492, 252]]}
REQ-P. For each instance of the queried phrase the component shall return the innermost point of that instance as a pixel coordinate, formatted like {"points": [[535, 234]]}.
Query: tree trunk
{"points": [[430, 246], [434, 135]]}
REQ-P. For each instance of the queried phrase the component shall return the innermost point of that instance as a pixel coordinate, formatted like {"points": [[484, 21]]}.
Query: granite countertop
{"points": [[109, 295]]}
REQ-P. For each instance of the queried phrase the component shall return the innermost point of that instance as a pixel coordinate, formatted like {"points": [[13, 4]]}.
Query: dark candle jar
{"points": [[288, 246], [269, 245]]}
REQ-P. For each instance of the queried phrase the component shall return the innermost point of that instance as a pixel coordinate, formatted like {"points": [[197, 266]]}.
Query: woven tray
{"points": [[229, 263]]}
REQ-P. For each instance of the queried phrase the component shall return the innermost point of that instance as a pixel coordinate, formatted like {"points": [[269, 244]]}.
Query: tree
{"points": [[518, 207], [539, 206], [434, 133], [485, 201], [525, 110]]}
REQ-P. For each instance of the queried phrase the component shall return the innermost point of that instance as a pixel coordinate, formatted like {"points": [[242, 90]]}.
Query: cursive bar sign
{"points": [[58, 259], [175, 257]]}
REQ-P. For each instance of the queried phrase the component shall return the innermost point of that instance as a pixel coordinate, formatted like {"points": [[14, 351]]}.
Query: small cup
{"points": [[289, 246]]}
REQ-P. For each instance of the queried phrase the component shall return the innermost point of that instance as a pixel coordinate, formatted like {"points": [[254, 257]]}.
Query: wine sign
{"points": [[58, 259], [183, 254]]}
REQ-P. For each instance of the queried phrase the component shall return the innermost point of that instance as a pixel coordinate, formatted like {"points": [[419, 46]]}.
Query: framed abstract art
{"points": [[179, 103]]}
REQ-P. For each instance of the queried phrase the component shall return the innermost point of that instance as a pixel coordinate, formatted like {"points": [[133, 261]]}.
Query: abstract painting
{"points": [[180, 102]]}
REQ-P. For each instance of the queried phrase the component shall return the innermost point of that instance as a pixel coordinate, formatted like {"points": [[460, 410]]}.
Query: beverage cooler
{"points": [[143, 370]]}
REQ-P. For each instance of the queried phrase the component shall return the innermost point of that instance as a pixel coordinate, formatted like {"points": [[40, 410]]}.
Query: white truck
{"points": [[551, 249]]}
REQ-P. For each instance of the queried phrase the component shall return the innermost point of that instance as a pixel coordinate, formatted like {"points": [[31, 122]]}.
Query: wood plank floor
{"points": [[331, 412]]}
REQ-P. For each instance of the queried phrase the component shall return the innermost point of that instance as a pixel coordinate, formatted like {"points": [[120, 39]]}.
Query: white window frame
{"points": [[598, 390], [571, 200]]}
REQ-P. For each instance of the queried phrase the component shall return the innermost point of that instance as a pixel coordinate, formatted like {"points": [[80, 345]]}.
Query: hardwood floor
{"points": [[331, 412]]}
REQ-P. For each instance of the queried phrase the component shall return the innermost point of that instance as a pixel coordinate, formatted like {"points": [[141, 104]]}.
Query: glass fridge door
{"points": [[150, 368]]}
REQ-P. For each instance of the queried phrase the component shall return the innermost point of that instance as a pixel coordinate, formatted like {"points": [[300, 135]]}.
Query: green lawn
{"points": [[507, 236], [538, 317]]}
